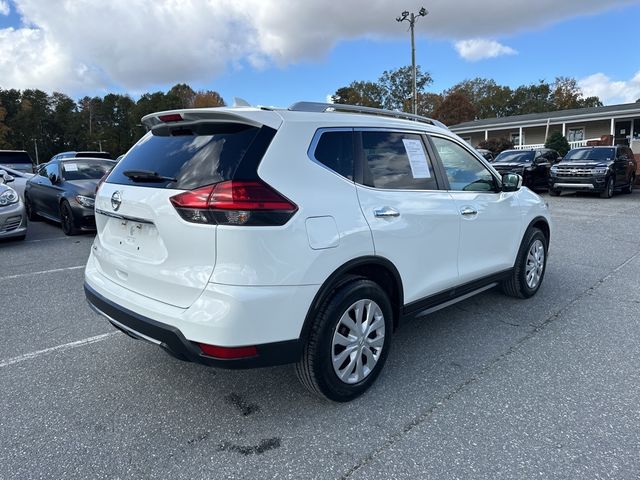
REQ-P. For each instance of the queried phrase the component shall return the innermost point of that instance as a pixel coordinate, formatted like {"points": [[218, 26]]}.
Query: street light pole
{"points": [[411, 18]]}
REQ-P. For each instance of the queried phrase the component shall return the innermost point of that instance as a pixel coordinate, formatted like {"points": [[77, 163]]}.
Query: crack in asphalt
{"points": [[424, 416]]}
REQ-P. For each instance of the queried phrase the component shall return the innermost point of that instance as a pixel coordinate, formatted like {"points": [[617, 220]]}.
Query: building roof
{"points": [[595, 113]]}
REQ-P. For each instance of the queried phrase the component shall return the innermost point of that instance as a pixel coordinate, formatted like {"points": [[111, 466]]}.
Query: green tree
{"points": [[490, 99], [398, 86], [428, 103], [558, 142], [366, 94]]}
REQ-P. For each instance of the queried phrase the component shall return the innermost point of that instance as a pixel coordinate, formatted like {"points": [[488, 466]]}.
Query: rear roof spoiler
{"points": [[247, 116]]}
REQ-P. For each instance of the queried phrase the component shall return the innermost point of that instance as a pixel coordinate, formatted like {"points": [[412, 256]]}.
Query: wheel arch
{"points": [[375, 268], [542, 224]]}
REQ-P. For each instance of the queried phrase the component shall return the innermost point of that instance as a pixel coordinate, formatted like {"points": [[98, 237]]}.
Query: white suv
{"points": [[246, 237]]}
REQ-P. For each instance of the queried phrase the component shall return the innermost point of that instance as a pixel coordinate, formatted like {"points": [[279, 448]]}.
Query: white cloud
{"points": [[4, 7], [611, 91], [480, 48], [85, 45]]}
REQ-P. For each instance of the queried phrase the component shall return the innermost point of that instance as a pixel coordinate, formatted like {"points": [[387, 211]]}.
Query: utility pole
{"points": [[411, 18], [35, 144]]}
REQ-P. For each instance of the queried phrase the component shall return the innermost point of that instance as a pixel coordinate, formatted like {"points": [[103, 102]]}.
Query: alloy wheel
{"points": [[358, 341], [535, 264]]}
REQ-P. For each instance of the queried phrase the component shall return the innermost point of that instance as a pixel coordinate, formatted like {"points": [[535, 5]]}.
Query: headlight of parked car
{"points": [[85, 201], [7, 198], [601, 170]]}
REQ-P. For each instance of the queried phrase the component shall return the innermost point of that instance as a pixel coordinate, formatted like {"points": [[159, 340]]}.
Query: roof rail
{"points": [[340, 107]]}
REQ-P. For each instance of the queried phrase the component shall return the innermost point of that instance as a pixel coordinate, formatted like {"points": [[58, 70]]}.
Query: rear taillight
{"points": [[235, 202]]}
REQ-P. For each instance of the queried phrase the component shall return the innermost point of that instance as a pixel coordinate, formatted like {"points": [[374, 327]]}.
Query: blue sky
{"points": [[275, 61]]}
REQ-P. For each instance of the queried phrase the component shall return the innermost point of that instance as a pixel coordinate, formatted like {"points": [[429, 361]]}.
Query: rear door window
{"points": [[194, 159], [397, 161]]}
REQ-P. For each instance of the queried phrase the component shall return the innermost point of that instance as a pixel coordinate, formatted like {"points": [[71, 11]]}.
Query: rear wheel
{"points": [[32, 216], [348, 343], [629, 187], [66, 219], [608, 189], [530, 266]]}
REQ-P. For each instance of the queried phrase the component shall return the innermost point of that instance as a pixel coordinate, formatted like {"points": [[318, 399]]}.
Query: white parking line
{"points": [[30, 274], [59, 348]]}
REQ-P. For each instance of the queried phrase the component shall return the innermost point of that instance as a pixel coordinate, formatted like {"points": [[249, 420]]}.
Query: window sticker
{"points": [[417, 158], [71, 167]]}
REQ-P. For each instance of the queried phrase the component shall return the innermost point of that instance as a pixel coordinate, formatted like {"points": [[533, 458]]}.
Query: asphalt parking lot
{"points": [[490, 388]]}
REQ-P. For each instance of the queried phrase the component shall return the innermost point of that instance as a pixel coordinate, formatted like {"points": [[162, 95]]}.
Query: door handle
{"points": [[468, 212], [385, 212]]}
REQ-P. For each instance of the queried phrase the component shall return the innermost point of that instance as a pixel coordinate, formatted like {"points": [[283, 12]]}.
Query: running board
{"points": [[454, 301]]}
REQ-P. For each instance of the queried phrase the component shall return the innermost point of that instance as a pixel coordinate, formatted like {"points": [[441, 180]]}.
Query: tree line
{"points": [[31, 119], [468, 100]]}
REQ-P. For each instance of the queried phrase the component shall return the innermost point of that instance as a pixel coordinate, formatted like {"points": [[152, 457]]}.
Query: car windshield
{"points": [[85, 169], [591, 154], [15, 157], [515, 157]]}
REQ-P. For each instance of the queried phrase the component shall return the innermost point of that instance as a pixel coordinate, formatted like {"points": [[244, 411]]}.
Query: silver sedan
{"points": [[13, 219], [20, 179]]}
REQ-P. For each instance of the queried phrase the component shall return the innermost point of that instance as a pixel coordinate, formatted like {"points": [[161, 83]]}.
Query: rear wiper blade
{"points": [[147, 176]]}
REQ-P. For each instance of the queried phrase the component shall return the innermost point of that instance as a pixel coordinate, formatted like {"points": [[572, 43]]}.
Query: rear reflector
{"points": [[228, 352], [170, 117], [235, 202]]}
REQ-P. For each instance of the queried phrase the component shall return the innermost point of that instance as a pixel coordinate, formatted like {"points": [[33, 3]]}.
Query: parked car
{"points": [[17, 160], [13, 220], [64, 191], [533, 165], [595, 169], [487, 154], [246, 237], [20, 179], [74, 154]]}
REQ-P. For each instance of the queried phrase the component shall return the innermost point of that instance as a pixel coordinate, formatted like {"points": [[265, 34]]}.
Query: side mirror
{"points": [[53, 178], [5, 177], [511, 182]]}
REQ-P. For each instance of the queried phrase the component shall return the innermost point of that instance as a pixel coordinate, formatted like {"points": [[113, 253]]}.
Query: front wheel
{"points": [[608, 189], [531, 263], [66, 219], [32, 216], [348, 343]]}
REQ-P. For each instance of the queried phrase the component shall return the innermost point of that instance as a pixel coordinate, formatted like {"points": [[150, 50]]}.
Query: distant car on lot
{"points": [[601, 170], [73, 154], [64, 191], [20, 179], [13, 219], [487, 154], [17, 159], [533, 165], [247, 237]]}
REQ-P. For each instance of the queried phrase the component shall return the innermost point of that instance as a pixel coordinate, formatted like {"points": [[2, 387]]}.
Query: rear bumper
{"points": [[174, 342]]}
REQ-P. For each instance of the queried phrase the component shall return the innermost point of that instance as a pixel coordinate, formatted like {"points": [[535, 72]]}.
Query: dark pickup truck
{"points": [[601, 170]]}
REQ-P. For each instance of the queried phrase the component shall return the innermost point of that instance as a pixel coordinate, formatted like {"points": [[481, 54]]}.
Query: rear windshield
{"points": [[194, 160], [85, 169], [15, 157], [595, 154], [515, 157], [106, 155]]}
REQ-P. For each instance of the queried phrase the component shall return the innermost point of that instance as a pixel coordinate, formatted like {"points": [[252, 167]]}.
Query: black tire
{"points": [[66, 219], [315, 369], [629, 187], [32, 216], [608, 189], [516, 285], [554, 193]]}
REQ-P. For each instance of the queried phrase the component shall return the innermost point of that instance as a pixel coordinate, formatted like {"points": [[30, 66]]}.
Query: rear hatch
{"points": [[144, 243]]}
